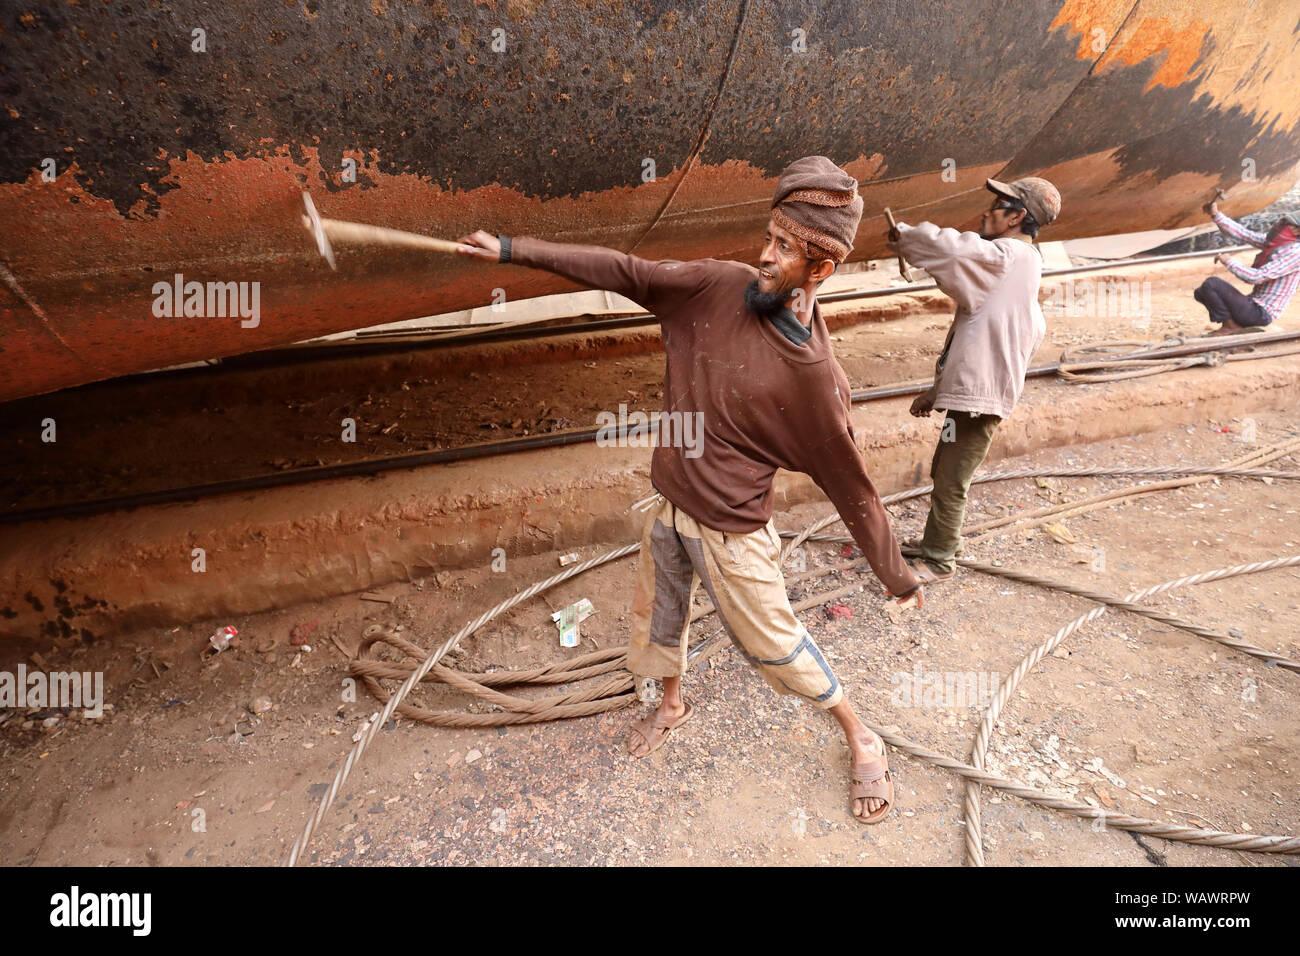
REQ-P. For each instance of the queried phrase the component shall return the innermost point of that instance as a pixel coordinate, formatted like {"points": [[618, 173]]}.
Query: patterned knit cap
{"points": [[819, 203]]}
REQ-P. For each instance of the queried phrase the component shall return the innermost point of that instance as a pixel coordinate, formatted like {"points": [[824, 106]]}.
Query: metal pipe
{"points": [[380, 343], [1042, 371], [488, 449]]}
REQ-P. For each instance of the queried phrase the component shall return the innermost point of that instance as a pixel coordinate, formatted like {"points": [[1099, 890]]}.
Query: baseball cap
{"points": [[1038, 196]]}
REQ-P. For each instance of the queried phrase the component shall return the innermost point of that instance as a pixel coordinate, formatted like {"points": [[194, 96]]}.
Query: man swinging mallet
{"points": [[747, 352]]}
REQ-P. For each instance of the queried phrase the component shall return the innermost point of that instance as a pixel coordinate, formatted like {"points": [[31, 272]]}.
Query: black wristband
{"points": [[505, 249]]}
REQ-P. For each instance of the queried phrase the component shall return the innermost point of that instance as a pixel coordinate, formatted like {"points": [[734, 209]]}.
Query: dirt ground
{"points": [[180, 772], [116, 439]]}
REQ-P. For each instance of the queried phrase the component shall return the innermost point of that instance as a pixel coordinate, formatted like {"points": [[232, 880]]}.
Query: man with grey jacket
{"points": [[993, 277]]}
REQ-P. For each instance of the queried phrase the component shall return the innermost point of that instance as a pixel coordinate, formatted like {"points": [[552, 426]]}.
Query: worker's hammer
{"points": [[903, 270], [1219, 195], [323, 230]]}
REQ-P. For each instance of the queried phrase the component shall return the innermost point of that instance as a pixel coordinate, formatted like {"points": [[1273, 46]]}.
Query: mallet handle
{"points": [[340, 231]]}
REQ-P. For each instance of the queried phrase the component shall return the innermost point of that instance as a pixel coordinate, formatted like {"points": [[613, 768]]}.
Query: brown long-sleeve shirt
{"points": [[765, 402]]}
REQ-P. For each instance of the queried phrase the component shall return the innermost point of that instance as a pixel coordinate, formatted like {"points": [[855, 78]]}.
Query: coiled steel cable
{"points": [[975, 774]]}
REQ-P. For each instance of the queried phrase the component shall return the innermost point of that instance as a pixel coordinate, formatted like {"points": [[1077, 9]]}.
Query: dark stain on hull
{"points": [[174, 161], [576, 102]]}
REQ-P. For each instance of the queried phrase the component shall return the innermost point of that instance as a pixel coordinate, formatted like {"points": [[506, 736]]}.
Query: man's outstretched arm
{"points": [[964, 266], [641, 280], [1235, 230]]}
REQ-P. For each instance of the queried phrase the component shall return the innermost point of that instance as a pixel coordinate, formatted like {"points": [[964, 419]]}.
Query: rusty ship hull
{"points": [[143, 143]]}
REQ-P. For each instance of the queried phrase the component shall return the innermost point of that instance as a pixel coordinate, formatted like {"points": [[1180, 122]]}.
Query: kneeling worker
{"points": [[1275, 275]]}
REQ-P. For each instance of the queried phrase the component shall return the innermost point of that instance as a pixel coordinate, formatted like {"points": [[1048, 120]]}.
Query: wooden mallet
{"points": [[324, 230]]}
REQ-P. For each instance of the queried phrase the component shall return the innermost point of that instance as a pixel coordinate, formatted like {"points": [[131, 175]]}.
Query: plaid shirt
{"points": [[1276, 280]]}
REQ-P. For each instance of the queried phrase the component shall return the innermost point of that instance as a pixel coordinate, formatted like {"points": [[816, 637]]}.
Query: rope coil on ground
{"points": [[417, 675], [974, 838], [1159, 472], [609, 695], [606, 696], [1111, 361]]}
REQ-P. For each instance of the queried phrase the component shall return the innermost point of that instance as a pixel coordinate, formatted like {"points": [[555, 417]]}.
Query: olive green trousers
{"points": [[963, 443]]}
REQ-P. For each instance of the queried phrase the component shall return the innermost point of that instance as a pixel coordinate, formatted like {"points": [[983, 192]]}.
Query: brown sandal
{"points": [[872, 778], [927, 574], [653, 721], [912, 546]]}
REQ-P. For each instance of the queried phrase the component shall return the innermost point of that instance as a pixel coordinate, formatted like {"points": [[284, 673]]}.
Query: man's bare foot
{"points": [[649, 732], [1227, 328], [862, 749]]}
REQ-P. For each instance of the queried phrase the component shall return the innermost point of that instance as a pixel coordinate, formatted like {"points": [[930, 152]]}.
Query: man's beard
{"points": [[766, 303]]}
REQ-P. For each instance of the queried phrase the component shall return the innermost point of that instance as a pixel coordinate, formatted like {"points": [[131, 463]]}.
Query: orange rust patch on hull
{"points": [[548, 139], [1180, 46]]}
